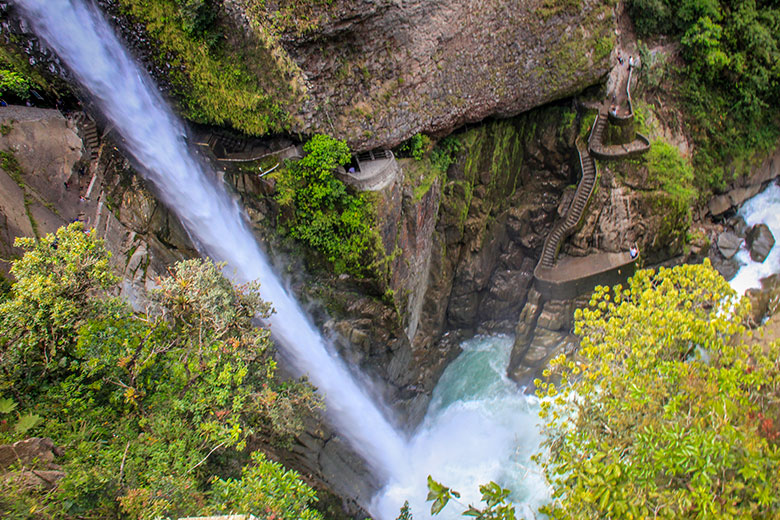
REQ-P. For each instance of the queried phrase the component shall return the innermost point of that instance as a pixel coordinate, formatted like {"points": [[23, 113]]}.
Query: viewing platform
{"points": [[573, 276], [373, 170], [230, 147], [599, 150]]}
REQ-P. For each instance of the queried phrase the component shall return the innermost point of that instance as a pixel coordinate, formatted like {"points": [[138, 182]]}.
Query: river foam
{"points": [[479, 427], [764, 208]]}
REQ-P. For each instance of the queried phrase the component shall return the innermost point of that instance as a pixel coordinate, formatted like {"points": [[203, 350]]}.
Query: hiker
{"points": [[634, 251], [613, 110], [630, 61], [620, 58]]}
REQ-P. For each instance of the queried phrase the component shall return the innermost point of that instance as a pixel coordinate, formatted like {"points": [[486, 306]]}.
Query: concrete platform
{"points": [[376, 170], [574, 276]]}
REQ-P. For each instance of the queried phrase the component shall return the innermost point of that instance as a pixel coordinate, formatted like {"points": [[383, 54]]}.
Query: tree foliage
{"points": [[150, 407], [14, 83], [325, 215], [663, 413], [731, 76], [494, 497]]}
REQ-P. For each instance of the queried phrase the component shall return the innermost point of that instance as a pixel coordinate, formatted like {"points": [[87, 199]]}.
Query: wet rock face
{"points": [[746, 187], [759, 241], [38, 451], [386, 70], [543, 331], [498, 203]]}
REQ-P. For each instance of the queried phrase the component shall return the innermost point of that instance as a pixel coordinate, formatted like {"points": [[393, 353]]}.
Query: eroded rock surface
{"points": [[759, 241], [384, 70], [47, 180]]}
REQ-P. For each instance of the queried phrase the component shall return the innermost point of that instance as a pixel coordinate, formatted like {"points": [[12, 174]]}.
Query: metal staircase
{"points": [[568, 224]]}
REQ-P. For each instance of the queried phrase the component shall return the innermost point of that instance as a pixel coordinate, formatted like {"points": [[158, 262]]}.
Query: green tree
{"points": [[57, 281], [267, 490], [663, 413], [729, 81], [151, 406], [325, 215], [14, 83]]}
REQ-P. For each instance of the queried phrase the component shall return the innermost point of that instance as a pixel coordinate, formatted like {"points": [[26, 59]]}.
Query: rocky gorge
{"points": [[460, 243]]}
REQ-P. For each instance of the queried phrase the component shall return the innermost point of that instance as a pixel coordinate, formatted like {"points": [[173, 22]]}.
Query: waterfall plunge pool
{"points": [[479, 427]]}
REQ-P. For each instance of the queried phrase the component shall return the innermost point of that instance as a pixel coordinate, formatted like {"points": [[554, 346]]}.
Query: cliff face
{"points": [[49, 179], [379, 71], [373, 72]]}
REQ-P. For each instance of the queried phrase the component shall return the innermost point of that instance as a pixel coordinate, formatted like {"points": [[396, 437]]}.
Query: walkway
{"points": [[573, 276], [230, 147], [637, 147], [573, 216]]}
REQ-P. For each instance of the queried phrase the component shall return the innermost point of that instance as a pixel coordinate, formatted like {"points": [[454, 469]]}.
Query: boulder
{"points": [[765, 301], [727, 267], [759, 241], [728, 244], [39, 451], [738, 225], [39, 479]]}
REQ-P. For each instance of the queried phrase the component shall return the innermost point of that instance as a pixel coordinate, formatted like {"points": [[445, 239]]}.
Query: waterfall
{"points": [[478, 428], [155, 138]]}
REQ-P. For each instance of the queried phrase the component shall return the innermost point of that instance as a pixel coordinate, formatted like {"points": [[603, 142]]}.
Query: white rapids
{"points": [[763, 208]]}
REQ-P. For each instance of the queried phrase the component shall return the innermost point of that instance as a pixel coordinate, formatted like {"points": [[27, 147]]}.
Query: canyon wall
{"points": [[375, 72]]}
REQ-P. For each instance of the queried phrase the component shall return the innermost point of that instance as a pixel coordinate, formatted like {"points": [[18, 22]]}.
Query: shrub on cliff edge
{"points": [[325, 215]]}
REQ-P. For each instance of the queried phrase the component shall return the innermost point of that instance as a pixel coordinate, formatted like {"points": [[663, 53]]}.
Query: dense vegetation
{"points": [[664, 413], [155, 410], [731, 78], [324, 214], [219, 78]]}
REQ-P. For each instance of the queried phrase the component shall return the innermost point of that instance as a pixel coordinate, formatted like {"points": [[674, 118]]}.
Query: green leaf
{"points": [[7, 405], [27, 422]]}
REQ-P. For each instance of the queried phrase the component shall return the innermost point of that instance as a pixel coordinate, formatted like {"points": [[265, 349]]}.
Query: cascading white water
{"points": [[478, 428], [764, 208], [80, 36]]}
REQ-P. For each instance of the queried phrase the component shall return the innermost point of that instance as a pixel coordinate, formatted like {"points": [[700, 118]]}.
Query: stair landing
{"points": [[573, 276]]}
